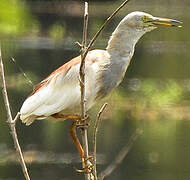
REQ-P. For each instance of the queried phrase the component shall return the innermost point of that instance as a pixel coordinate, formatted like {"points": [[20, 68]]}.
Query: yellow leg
{"points": [[78, 145], [76, 140], [61, 116], [77, 123]]}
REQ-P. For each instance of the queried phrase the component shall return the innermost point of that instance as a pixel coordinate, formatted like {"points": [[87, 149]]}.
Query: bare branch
{"points": [[12, 122], [84, 134], [82, 65], [16, 118], [85, 28], [95, 136], [28, 80], [104, 25], [122, 154]]}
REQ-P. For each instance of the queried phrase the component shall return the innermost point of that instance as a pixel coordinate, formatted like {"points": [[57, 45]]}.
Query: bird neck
{"points": [[122, 42], [120, 50]]}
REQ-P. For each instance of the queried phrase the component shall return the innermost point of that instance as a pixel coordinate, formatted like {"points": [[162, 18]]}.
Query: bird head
{"points": [[146, 22]]}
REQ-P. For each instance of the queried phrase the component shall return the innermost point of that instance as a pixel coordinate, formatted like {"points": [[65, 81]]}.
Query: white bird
{"points": [[59, 94]]}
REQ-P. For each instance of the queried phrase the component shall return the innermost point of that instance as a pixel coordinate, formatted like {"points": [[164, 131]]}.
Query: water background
{"points": [[154, 95]]}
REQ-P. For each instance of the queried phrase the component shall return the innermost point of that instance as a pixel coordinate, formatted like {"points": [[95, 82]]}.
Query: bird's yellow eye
{"points": [[145, 19]]}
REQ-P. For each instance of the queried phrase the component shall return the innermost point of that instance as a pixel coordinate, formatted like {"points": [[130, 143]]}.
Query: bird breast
{"points": [[111, 74]]}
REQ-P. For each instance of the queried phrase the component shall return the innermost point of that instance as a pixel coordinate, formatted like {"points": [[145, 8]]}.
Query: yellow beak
{"points": [[165, 22]]}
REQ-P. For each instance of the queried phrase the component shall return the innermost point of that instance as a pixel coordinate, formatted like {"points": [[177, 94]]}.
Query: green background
{"points": [[154, 96]]}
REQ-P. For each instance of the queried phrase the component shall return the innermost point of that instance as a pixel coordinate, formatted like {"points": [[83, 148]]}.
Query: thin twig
{"points": [[28, 80], [82, 65], [84, 134], [16, 118], [85, 28], [104, 25], [95, 136], [122, 154], [12, 122]]}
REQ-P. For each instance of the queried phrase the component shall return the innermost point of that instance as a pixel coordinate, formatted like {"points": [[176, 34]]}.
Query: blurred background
{"points": [[40, 36]]}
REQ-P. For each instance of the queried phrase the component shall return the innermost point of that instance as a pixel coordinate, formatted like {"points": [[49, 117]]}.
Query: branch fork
{"points": [[12, 122]]}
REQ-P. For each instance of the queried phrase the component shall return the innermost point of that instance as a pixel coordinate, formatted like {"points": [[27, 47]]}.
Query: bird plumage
{"points": [[60, 92]]}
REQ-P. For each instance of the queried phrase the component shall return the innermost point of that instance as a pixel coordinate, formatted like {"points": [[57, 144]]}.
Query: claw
{"points": [[88, 158], [88, 169], [83, 123]]}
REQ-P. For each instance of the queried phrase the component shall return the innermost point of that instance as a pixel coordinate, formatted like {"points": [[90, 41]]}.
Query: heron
{"points": [[58, 96]]}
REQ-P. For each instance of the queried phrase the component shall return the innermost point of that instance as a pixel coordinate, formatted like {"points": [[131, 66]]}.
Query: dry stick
{"points": [[104, 25], [82, 65], [84, 134], [12, 122], [95, 136], [122, 154], [28, 80]]}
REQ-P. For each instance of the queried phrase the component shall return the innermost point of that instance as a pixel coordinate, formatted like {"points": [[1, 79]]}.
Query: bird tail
{"points": [[28, 120]]}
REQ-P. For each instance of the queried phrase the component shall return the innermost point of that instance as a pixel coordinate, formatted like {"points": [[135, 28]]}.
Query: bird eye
{"points": [[145, 19]]}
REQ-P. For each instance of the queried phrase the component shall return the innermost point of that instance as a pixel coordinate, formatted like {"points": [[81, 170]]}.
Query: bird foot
{"points": [[83, 123], [89, 168], [88, 159]]}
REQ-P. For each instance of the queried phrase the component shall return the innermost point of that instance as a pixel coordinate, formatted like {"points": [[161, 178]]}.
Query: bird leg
{"points": [[75, 117], [78, 122], [83, 123], [76, 140], [89, 167]]}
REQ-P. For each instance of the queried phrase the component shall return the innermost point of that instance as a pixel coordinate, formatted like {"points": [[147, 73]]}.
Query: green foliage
{"points": [[15, 18], [159, 95], [57, 31], [153, 99]]}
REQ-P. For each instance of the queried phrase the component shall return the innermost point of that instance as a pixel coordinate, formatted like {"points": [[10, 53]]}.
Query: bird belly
{"points": [[61, 96]]}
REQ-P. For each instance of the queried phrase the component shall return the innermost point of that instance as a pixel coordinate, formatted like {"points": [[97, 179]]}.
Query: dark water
{"points": [[154, 96]]}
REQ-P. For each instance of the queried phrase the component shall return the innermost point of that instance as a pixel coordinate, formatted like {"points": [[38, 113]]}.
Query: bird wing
{"points": [[60, 90]]}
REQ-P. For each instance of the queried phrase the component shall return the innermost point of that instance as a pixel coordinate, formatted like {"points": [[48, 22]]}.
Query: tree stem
{"points": [[12, 122], [84, 132]]}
